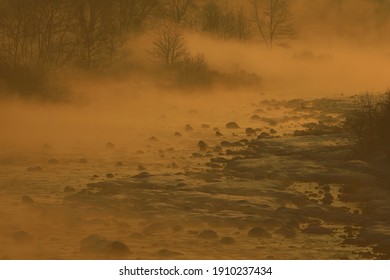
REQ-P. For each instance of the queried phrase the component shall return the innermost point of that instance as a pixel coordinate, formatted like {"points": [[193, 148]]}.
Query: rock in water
{"points": [[208, 234], [227, 240], [22, 237], [109, 145], [53, 161], [118, 249], [259, 232], [34, 169], [27, 200], [232, 125], [250, 131], [188, 127], [317, 229], [69, 189], [203, 147]]}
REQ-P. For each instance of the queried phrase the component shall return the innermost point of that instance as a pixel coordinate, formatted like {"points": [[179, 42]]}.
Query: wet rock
{"points": [[140, 152], [328, 199], [203, 147], [177, 134], [213, 165], [53, 161], [227, 240], [250, 131], [177, 228], [141, 167], [136, 235], [286, 232], [69, 189], [197, 155], [22, 237], [317, 229], [272, 131], [188, 127], [232, 125], [219, 134], [227, 144], [165, 253], [264, 135], [174, 165], [154, 139], [109, 175], [217, 149], [34, 169], [109, 145], [258, 232], [83, 161], [98, 245], [255, 117], [118, 249], [142, 175], [119, 163], [27, 200], [205, 126], [219, 160], [94, 244], [208, 234], [155, 228], [216, 129]]}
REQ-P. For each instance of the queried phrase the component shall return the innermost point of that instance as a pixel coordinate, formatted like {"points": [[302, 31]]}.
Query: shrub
{"points": [[368, 123]]}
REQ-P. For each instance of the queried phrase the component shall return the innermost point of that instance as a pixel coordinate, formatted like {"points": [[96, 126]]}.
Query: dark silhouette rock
{"points": [[53, 161], [27, 200], [165, 253], [141, 167], [34, 169], [69, 189], [109, 175], [317, 229], [255, 118], [109, 145], [154, 139], [286, 232], [250, 131], [258, 232], [227, 240], [188, 128], [177, 134], [232, 125], [118, 249], [328, 199], [208, 234], [203, 147], [22, 237], [142, 175], [219, 134]]}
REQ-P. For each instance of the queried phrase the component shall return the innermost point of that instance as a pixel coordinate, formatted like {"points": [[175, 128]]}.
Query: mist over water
{"points": [[137, 150]]}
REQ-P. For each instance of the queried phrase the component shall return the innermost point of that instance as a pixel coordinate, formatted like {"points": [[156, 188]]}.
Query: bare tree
{"points": [[273, 20], [225, 22], [178, 9], [169, 47], [132, 14], [95, 30]]}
